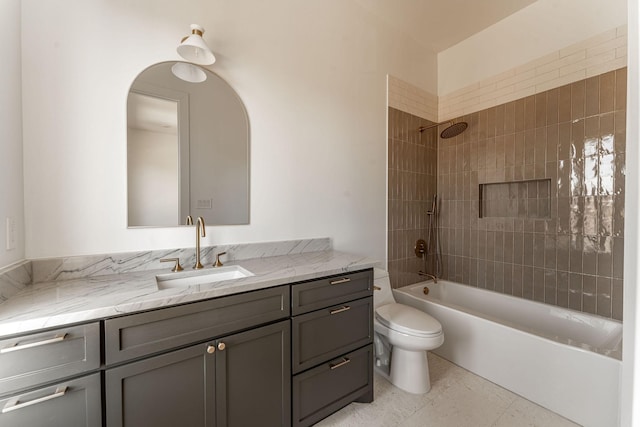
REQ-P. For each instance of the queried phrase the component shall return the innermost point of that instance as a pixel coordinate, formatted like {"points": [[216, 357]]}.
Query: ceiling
{"points": [[440, 24]]}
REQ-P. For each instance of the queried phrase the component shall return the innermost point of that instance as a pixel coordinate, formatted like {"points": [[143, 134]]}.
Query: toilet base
{"points": [[410, 371]]}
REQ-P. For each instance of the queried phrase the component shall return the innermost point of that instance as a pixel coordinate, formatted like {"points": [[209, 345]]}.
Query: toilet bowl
{"points": [[403, 335]]}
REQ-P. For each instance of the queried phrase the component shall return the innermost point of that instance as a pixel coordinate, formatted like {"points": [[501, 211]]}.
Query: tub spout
{"points": [[430, 276]]}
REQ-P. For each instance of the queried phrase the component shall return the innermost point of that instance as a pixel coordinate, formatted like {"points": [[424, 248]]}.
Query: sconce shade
{"points": [[188, 72], [194, 49]]}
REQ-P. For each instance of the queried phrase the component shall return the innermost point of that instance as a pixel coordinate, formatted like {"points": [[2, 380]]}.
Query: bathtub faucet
{"points": [[430, 276]]}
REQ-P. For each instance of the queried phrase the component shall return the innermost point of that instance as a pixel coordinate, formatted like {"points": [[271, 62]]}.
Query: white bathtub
{"points": [[564, 360]]}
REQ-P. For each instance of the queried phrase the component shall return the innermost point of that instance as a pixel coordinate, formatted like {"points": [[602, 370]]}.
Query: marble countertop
{"points": [[57, 303]]}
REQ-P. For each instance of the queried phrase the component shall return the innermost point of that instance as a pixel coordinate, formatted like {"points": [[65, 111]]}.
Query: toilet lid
{"points": [[408, 320]]}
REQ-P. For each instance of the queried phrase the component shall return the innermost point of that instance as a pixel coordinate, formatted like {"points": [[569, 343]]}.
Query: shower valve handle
{"points": [[421, 248]]}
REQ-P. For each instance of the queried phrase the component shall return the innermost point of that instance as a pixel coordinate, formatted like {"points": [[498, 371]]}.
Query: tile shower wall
{"points": [[573, 136], [411, 186], [411, 99]]}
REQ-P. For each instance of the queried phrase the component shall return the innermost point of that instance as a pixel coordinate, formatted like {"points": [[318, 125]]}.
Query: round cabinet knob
{"points": [[211, 349], [222, 346]]}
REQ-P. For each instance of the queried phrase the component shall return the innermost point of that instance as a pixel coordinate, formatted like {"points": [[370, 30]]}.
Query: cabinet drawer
{"points": [[138, 335], [323, 390], [33, 359], [328, 291], [74, 403], [324, 334]]}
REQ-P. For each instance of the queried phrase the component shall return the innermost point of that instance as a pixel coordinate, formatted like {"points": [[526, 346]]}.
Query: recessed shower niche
{"points": [[517, 199]]}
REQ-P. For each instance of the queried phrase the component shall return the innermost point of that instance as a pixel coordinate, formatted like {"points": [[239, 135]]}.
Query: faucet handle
{"points": [[218, 263], [176, 267]]}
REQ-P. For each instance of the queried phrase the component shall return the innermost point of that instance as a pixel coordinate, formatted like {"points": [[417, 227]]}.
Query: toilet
{"points": [[402, 336]]}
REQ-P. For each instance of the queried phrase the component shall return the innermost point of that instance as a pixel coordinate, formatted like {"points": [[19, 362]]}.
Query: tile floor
{"points": [[457, 398]]}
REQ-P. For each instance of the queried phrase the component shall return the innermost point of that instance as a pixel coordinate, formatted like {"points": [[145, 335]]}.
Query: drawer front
{"points": [[141, 334], [316, 294], [33, 359], [74, 403], [325, 334], [321, 391]]}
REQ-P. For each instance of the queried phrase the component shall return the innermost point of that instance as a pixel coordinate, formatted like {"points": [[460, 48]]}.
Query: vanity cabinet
{"points": [[280, 356], [51, 378], [229, 379], [237, 380], [332, 352]]}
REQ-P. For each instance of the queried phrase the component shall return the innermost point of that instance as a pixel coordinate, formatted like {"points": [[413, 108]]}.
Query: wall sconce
{"points": [[194, 49], [188, 72]]}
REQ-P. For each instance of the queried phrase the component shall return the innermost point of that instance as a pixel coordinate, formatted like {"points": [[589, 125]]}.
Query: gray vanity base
{"points": [[237, 360]]}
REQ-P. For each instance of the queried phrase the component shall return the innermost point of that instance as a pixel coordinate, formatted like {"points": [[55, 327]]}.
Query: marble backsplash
{"points": [[17, 277], [14, 279]]}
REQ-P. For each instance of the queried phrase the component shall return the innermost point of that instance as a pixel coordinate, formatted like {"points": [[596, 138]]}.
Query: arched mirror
{"points": [[187, 150]]}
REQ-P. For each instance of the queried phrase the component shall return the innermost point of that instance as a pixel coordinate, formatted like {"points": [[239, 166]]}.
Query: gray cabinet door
{"points": [[239, 380], [173, 389], [72, 403], [253, 377]]}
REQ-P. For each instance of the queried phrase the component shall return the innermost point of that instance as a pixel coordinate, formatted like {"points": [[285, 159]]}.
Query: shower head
{"points": [[454, 129]]}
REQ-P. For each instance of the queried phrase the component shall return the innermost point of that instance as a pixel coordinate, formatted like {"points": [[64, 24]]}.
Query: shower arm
{"points": [[423, 128]]}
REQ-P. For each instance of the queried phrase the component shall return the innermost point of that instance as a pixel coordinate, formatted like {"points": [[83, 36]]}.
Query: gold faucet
{"points": [[177, 267], [199, 229], [218, 263], [430, 276]]}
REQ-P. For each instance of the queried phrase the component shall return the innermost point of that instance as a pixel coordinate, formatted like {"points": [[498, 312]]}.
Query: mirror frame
{"points": [[182, 100]]}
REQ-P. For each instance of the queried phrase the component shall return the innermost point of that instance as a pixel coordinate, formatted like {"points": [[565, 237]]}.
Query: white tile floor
{"points": [[457, 398]]}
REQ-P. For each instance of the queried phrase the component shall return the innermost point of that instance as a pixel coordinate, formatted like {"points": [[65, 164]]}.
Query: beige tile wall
{"points": [[573, 136], [412, 184], [591, 57], [411, 99]]}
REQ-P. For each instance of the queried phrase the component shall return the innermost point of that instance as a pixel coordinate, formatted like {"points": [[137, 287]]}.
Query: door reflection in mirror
{"points": [[152, 161]]}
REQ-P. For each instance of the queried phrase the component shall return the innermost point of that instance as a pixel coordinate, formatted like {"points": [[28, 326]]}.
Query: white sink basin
{"points": [[201, 277]]}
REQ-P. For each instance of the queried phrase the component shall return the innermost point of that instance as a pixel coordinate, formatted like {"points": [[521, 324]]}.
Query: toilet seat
{"points": [[408, 320]]}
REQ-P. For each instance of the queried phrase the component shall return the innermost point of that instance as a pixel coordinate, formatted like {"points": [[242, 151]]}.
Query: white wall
{"points": [[630, 381], [531, 33], [11, 181], [313, 78], [152, 178]]}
